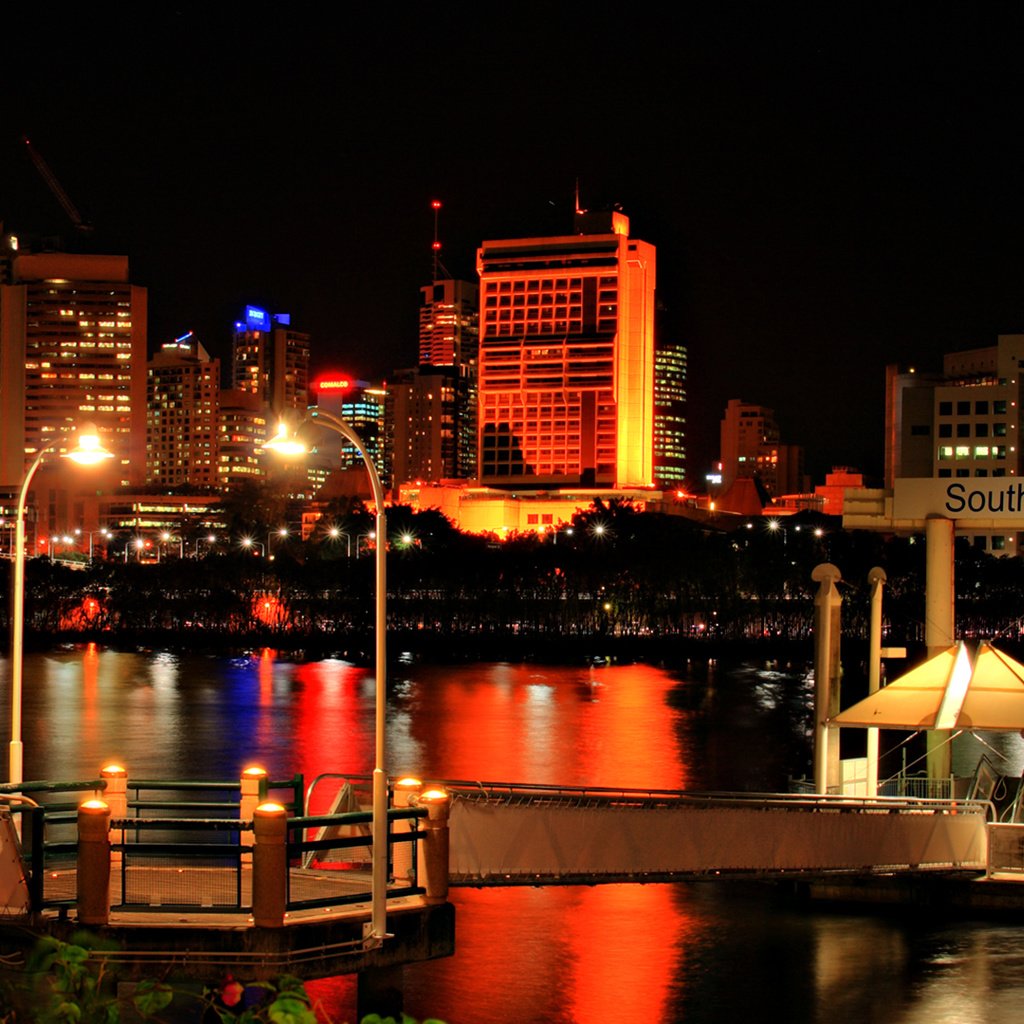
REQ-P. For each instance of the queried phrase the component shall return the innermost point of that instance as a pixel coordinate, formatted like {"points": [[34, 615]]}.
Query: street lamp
{"points": [[88, 452], [334, 532], [288, 444], [282, 532], [247, 543]]}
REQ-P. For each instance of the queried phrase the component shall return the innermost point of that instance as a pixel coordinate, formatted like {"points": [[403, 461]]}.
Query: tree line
{"points": [[613, 572]]}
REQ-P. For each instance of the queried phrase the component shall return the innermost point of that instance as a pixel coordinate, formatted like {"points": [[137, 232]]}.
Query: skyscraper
{"points": [[669, 414], [271, 361], [567, 358], [449, 323], [182, 411], [72, 348]]}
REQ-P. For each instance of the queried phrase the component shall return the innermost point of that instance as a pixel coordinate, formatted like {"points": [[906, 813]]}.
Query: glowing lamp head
{"points": [[88, 451], [254, 771], [284, 442], [113, 769]]}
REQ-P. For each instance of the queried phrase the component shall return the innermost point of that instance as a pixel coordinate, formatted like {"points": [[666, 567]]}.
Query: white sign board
{"points": [[975, 498]]}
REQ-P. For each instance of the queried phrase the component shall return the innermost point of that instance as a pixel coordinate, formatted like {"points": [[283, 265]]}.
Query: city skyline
{"points": [[825, 196]]}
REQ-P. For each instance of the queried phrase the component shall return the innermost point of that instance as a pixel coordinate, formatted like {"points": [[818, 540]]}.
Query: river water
{"points": [[706, 952]]}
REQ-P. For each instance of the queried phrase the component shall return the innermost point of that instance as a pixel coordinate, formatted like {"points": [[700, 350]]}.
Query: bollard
{"points": [[253, 783], [434, 865], [269, 865], [116, 797], [406, 792], [93, 863]]}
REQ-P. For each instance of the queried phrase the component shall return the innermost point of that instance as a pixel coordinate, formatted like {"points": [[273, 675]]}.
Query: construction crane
{"points": [[56, 188]]}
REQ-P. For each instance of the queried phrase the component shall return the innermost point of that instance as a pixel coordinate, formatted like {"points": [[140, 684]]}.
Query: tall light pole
{"points": [[286, 443], [88, 452]]}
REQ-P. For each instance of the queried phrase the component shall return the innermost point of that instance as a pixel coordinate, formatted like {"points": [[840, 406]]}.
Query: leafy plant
{"points": [[65, 983]]}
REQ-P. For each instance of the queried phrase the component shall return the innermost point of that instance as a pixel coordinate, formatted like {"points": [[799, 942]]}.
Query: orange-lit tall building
{"points": [[566, 386], [72, 348]]}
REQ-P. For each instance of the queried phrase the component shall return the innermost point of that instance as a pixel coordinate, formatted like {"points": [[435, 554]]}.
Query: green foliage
{"points": [[376, 1018]]}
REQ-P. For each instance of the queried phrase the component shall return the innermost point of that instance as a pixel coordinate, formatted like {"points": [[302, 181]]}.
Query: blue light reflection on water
{"points": [[697, 953]]}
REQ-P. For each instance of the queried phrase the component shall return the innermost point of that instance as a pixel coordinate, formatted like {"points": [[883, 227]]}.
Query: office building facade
{"points": [[270, 360], [963, 423], [72, 349], [669, 414], [566, 365]]}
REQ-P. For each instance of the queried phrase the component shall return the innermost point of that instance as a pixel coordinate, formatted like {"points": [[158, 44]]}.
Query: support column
{"points": [[253, 785], [827, 605], [379, 990], [116, 798], [270, 866], [876, 578], [435, 846], [939, 625], [406, 791], [93, 875]]}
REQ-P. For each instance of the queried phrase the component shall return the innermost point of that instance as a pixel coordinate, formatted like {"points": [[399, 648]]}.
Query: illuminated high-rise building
{"points": [[182, 408], [567, 358], [751, 449], [669, 414], [271, 361], [243, 429], [423, 415], [72, 348], [362, 406], [449, 323]]}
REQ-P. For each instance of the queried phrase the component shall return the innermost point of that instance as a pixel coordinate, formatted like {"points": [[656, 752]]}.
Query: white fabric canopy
{"points": [[948, 691]]}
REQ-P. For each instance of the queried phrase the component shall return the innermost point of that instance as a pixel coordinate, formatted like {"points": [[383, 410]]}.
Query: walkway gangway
{"points": [[508, 833]]}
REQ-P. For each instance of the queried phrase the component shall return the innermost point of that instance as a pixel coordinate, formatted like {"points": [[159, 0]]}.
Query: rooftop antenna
{"points": [[579, 209], [439, 267]]}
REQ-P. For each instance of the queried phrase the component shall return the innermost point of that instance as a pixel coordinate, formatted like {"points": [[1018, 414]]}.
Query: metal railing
{"points": [[350, 831], [49, 838], [200, 871]]}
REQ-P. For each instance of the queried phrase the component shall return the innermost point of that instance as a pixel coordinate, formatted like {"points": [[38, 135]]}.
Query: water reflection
{"points": [[703, 953]]}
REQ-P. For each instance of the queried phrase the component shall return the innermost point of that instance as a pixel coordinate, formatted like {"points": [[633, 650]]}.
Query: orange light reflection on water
{"points": [[598, 727]]}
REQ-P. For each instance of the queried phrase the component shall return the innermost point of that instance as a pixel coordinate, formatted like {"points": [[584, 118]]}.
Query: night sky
{"points": [[827, 192]]}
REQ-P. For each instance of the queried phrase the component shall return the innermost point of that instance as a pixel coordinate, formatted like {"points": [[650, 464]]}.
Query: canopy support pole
{"points": [[939, 626]]}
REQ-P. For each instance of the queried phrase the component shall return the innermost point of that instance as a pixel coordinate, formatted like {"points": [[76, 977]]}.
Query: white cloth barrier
{"points": [[491, 840]]}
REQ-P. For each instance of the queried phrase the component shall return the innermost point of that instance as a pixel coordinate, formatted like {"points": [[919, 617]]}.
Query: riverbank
{"points": [[405, 646]]}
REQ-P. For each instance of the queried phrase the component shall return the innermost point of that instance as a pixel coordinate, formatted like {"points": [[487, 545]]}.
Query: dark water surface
{"points": [[657, 953]]}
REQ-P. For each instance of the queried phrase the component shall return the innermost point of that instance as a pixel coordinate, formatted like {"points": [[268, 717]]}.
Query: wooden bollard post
{"points": [[434, 866], [116, 798], [269, 865], [406, 791], [252, 782], [93, 863]]}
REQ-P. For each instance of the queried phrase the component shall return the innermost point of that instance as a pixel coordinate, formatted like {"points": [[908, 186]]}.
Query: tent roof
{"points": [[948, 691]]}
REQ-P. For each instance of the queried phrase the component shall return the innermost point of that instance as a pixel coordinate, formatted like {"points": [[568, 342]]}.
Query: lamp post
{"points": [[247, 544], [282, 533], [88, 452], [335, 532], [286, 444]]}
